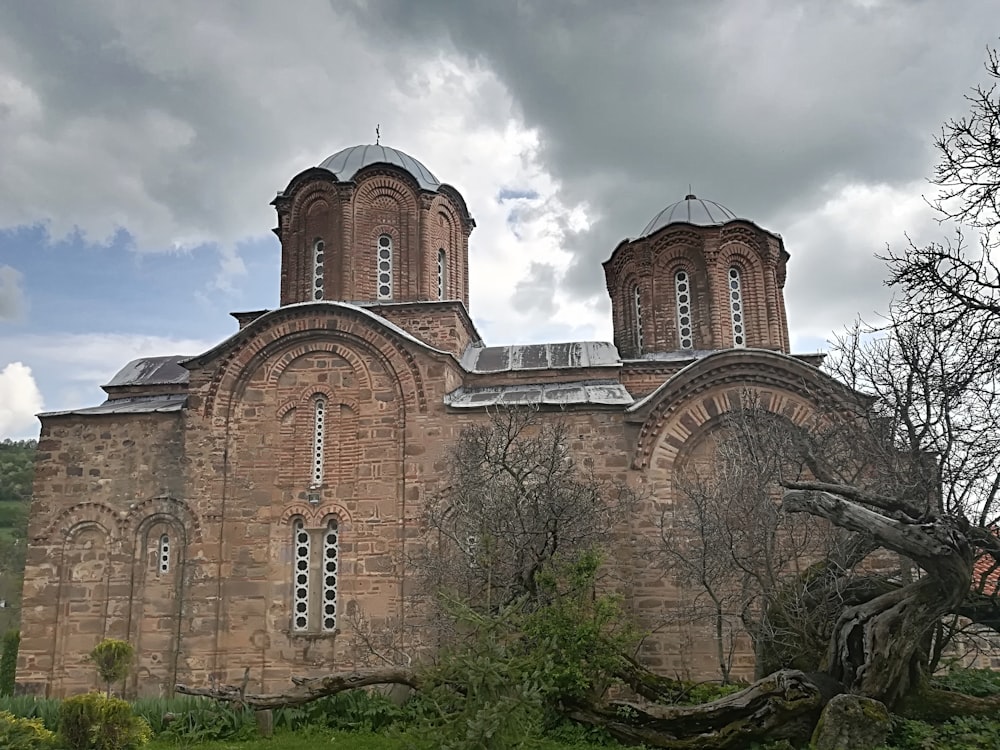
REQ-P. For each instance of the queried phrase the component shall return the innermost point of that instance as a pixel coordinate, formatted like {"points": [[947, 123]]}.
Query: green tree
{"points": [[8, 661], [112, 658]]}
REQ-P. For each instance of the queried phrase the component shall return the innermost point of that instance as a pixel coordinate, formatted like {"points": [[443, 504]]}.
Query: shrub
{"points": [[207, 720], [8, 661], [981, 683], [24, 734], [97, 722], [31, 707], [112, 659]]}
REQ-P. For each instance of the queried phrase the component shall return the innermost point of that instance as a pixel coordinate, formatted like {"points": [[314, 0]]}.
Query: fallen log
{"points": [[304, 690], [784, 705]]}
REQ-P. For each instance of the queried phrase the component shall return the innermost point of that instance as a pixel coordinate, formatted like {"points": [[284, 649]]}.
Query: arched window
{"points": [[300, 566], [384, 276], [330, 562], [164, 564], [682, 289], [637, 317], [736, 307], [318, 247], [441, 273], [319, 436]]}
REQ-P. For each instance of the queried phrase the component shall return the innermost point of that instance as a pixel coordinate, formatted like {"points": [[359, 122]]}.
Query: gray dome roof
{"points": [[346, 163], [691, 210]]}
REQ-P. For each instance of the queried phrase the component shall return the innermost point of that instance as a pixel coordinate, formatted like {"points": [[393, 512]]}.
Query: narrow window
{"points": [[319, 434], [736, 307], [637, 315], [164, 554], [385, 267], [330, 547], [318, 248], [682, 287], [441, 272], [300, 592]]}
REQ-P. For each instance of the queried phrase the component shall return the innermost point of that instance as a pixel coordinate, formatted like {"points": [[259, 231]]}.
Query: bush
{"points": [[97, 722], [207, 720], [962, 733], [981, 683], [30, 707], [24, 734], [8, 661]]}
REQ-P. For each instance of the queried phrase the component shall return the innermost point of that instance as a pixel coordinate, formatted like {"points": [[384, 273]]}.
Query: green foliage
{"points": [[96, 722], [17, 470], [696, 693], [30, 707], [353, 710], [499, 686], [981, 683], [17, 733], [209, 720], [961, 733], [8, 661], [112, 658]]}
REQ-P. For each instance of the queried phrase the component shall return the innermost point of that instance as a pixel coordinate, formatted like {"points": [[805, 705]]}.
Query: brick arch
{"points": [[275, 368], [712, 386], [753, 289], [315, 515], [375, 185], [307, 195], [301, 326], [71, 518], [164, 507]]}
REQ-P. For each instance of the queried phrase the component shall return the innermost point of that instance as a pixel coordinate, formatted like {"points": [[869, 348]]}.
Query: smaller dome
{"points": [[691, 210], [347, 162]]}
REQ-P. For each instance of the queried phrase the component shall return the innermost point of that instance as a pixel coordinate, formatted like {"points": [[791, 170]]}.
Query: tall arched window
{"points": [[318, 252], [442, 258], [164, 549], [300, 589], [736, 307], [319, 437], [682, 289], [384, 276], [637, 316], [330, 562]]}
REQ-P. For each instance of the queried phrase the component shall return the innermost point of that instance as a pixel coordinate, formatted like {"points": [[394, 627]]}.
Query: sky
{"points": [[141, 145]]}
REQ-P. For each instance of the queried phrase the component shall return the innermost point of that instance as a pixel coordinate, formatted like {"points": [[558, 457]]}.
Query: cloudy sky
{"points": [[141, 143]]}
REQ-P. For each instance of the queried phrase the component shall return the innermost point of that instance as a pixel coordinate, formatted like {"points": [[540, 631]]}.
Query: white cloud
{"points": [[20, 400], [11, 294]]}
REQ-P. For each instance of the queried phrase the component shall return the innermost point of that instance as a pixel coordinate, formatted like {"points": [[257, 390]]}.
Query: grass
{"points": [[330, 740]]}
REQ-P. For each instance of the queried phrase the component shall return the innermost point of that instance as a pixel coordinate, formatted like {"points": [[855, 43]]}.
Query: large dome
{"points": [[691, 210], [346, 163]]}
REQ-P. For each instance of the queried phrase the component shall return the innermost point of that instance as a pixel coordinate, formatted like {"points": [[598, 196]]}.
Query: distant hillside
{"points": [[17, 469]]}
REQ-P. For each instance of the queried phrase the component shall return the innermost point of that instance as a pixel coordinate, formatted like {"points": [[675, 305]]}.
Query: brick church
{"points": [[225, 510]]}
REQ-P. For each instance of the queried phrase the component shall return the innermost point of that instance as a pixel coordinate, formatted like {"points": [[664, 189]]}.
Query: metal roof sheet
{"points": [[607, 393], [540, 356], [151, 371], [691, 210], [347, 162], [142, 405]]}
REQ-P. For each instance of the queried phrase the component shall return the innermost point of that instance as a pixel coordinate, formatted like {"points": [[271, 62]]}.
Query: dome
{"points": [[346, 163], [691, 210]]}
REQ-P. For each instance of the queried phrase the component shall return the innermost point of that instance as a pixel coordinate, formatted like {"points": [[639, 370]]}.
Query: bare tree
{"points": [[516, 500]]}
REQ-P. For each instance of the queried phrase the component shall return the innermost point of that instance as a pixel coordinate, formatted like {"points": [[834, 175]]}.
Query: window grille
{"points": [[330, 562], [300, 590], [637, 314], [441, 273], [318, 254], [164, 563], [319, 434], [736, 307], [384, 277], [682, 288]]}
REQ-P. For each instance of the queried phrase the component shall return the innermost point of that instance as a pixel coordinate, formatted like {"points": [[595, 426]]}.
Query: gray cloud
{"points": [[11, 295], [179, 120], [767, 106]]}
